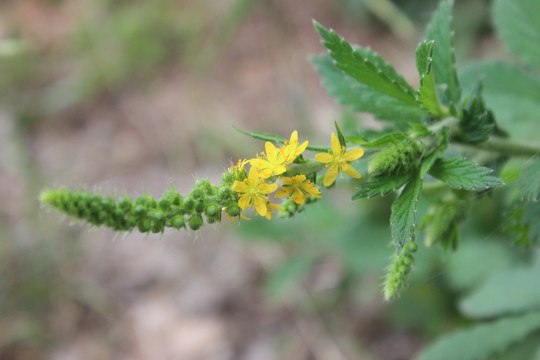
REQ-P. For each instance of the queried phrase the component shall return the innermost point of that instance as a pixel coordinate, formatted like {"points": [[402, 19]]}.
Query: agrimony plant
{"points": [[451, 136]]}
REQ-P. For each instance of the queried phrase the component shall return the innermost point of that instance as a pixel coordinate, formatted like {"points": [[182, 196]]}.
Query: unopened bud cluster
{"points": [[399, 269], [145, 213], [290, 208], [397, 156]]}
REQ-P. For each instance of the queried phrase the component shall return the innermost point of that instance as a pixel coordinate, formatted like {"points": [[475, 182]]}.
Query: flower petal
{"points": [[331, 175], [260, 205], [244, 201], [253, 174], [294, 137], [286, 191], [271, 151], [353, 154], [336, 146], [349, 170], [298, 197], [239, 186], [324, 157], [267, 188]]}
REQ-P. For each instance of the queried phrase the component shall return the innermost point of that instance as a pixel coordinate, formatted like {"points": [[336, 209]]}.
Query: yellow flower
{"points": [[338, 161], [291, 151], [273, 162], [253, 191], [269, 208], [299, 188]]}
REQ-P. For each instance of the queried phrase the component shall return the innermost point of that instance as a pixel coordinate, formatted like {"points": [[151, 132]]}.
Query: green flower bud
{"points": [[403, 155], [144, 225], [124, 203], [199, 207], [140, 200], [195, 222], [188, 203], [212, 209], [108, 203], [164, 203], [224, 193], [196, 193], [398, 270], [139, 211], [233, 210], [158, 216], [178, 221]]}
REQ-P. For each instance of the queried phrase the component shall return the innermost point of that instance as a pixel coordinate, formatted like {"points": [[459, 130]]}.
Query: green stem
{"points": [[508, 147]]}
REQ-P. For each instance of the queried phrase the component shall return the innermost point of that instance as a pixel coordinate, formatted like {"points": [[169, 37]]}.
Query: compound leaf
{"points": [[518, 25], [444, 62], [361, 97], [463, 174], [381, 185], [482, 341], [403, 218]]}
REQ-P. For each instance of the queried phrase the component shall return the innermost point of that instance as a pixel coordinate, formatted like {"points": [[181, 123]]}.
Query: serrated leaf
{"points": [[463, 174], [366, 67], [510, 92], [276, 139], [477, 123], [482, 341], [403, 218], [529, 181], [517, 23], [424, 56], [444, 62], [427, 93], [360, 97], [505, 292], [381, 185]]}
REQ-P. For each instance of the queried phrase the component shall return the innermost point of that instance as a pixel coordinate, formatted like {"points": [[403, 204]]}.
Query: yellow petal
{"points": [[240, 187], [324, 157], [271, 151], [298, 197], [336, 146], [353, 154], [349, 170], [301, 148], [253, 174], [267, 188], [286, 180], [259, 163], [283, 192], [243, 202], [260, 205], [330, 176], [294, 137]]}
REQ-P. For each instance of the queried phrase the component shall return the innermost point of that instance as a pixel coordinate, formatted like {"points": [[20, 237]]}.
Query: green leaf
{"points": [[482, 341], [529, 181], [365, 66], [505, 292], [385, 140], [463, 174], [361, 97], [276, 139], [510, 92], [530, 220], [340, 136], [427, 92], [403, 218], [477, 123], [428, 162], [381, 185], [444, 62], [518, 25]]}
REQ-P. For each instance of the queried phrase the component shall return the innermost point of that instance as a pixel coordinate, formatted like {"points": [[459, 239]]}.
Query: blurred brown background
{"points": [[132, 96]]}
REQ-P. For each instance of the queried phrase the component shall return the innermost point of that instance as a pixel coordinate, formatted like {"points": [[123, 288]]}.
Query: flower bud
{"points": [[195, 222]]}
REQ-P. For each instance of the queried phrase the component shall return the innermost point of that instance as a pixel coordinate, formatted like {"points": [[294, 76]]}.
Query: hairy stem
{"points": [[508, 147]]}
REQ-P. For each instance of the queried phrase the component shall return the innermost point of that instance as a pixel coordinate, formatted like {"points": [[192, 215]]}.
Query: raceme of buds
{"points": [[398, 270]]}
